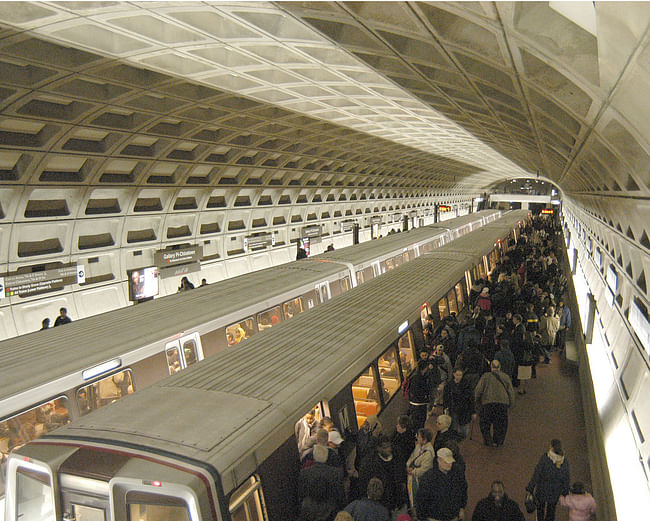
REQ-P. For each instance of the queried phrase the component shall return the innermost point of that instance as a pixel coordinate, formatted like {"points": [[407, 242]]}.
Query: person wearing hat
{"points": [[442, 490]]}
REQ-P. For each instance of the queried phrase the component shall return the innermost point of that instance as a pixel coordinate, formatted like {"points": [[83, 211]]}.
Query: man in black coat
{"points": [[442, 491], [381, 464], [497, 506]]}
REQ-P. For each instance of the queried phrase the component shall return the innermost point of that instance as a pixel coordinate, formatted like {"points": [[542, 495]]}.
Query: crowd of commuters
{"points": [[472, 368]]}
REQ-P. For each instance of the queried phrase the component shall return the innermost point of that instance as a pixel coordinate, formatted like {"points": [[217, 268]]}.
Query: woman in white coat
{"points": [[420, 461]]}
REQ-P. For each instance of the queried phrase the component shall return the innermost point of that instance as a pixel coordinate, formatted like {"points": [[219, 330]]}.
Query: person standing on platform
{"points": [[320, 489], [420, 461], [550, 481], [45, 324], [564, 313], [381, 464], [418, 395], [458, 401], [370, 507], [493, 396], [63, 318], [442, 490], [497, 506], [581, 504]]}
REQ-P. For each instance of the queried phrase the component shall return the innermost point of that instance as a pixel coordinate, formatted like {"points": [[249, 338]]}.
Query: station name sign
{"points": [[172, 257], [312, 230], [260, 240], [35, 283]]}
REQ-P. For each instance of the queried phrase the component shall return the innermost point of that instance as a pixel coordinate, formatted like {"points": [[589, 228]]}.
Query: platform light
{"points": [[101, 368], [555, 201], [403, 327]]}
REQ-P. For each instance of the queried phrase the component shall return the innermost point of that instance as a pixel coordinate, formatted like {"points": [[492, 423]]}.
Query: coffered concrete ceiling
{"points": [[422, 97]]}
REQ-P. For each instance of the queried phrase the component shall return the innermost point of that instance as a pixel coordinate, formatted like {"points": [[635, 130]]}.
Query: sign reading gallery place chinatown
{"points": [[35, 283], [172, 257]]}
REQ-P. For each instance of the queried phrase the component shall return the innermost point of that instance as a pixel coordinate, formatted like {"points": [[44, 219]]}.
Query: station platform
{"points": [[551, 408]]}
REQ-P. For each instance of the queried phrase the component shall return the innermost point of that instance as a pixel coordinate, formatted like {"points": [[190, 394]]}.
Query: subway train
{"points": [[49, 377], [216, 441]]}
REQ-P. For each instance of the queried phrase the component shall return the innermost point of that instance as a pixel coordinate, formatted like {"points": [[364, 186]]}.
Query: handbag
{"points": [[530, 503]]}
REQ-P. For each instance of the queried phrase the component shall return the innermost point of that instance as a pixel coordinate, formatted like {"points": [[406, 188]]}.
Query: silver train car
{"points": [[216, 442], [49, 377]]}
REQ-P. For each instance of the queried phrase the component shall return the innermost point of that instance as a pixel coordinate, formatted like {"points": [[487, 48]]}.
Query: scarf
{"points": [[555, 458]]}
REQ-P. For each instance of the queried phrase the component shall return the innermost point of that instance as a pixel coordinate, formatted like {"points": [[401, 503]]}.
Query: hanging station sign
{"points": [[35, 283], [259, 240], [173, 257]]}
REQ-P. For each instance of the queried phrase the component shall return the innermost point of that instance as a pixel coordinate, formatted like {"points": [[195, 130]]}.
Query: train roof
{"points": [[31, 359], [370, 250], [45, 356], [236, 407]]}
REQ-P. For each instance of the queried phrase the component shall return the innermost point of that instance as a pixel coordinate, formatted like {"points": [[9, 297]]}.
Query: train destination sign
{"points": [[547, 211], [444, 208], [26, 284], [172, 257]]}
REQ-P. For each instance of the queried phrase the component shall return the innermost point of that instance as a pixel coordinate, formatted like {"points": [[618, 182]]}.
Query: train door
{"points": [[84, 499], [324, 291], [183, 352]]}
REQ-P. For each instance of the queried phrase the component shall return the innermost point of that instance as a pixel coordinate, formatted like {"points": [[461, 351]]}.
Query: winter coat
{"points": [[487, 510], [582, 507], [441, 495], [421, 459], [550, 480], [548, 327], [367, 510], [494, 387], [458, 398]]}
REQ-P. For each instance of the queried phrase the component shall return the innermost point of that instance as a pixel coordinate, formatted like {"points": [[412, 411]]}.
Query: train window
{"points": [[389, 373], [104, 391], [389, 265], [173, 360], [291, 308], [443, 308], [240, 331], [366, 395], [459, 296], [143, 506], [34, 499], [398, 260], [269, 318], [336, 288], [32, 424], [190, 353], [406, 353], [368, 273], [451, 299], [247, 503], [360, 277], [345, 284], [88, 513]]}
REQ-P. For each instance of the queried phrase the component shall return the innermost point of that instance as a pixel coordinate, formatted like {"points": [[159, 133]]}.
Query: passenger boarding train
{"points": [[215, 442], [49, 377]]}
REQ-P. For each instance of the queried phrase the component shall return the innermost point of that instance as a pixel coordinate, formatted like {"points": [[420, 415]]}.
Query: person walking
{"points": [[493, 396], [550, 481], [581, 504]]}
